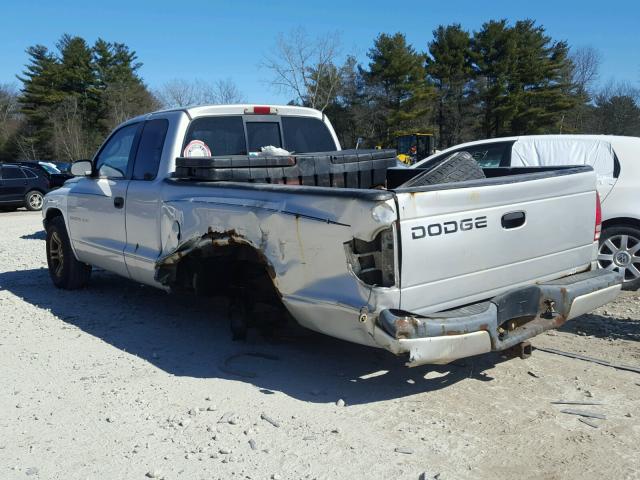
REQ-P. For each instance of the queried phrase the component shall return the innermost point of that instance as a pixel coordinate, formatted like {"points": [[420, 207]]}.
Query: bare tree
{"points": [[615, 88], [586, 64], [70, 140], [9, 111], [226, 92], [616, 110], [182, 93], [27, 148], [306, 67], [123, 101]]}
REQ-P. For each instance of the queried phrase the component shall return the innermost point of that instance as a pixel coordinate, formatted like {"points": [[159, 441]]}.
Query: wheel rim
{"points": [[35, 201], [621, 253], [56, 255]]}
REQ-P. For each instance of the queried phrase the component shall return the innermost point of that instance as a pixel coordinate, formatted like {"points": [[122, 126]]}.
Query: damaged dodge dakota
{"points": [[259, 204]]}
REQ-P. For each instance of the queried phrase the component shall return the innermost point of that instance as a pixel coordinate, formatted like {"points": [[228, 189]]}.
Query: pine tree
{"points": [[449, 67], [71, 99], [121, 90], [40, 92], [494, 51], [522, 79], [538, 91], [397, 85]]}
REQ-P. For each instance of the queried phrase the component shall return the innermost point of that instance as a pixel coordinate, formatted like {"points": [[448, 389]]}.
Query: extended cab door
{"points": [[96, 205], [144, 201]]}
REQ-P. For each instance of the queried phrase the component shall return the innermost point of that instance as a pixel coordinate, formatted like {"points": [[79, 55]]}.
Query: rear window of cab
{"points": [[238, 135]]}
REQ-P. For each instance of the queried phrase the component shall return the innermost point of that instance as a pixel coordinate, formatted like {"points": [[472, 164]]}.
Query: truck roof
{"points": [[237, 109]]}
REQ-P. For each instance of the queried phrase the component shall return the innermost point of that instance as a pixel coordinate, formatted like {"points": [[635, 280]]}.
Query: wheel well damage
{"points": [[218, 262]]}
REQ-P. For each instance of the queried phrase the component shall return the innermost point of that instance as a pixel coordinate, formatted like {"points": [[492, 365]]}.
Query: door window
{"points": [[150, 149], [29, 173], [113, 159], [12, 173]]}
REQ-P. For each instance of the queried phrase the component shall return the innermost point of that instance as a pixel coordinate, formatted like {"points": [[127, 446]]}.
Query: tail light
{"points": [[598, 227], [261, 110], [373, 262]]}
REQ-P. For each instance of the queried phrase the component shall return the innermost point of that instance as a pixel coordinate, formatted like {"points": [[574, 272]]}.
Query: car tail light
{"points": [[261, 110], [598, 227], [373, 262]]}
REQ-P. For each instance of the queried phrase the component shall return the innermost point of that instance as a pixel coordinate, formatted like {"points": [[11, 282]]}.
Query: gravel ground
{"points": [[123, 381]]}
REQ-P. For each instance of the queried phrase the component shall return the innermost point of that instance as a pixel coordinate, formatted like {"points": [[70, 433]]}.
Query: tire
{"points": [[620, 251], [65, 271], [458, 167], [33, 200]]}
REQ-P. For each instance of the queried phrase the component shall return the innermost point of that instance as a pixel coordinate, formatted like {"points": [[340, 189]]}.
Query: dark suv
{"points": [[50, 170], [22, 186]]}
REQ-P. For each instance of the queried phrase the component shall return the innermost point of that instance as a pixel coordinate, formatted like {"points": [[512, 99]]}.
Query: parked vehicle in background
{"points": [[616, 161], [51, 170], [209, 199], [414, 146], [64, 167], [22, 186]]}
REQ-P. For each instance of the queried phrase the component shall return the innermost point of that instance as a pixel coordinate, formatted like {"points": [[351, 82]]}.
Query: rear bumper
{"points": [[497, 324]]}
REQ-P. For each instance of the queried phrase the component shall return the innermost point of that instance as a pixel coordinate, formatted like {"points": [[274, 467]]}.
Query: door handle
{"points": [[118, 202], [513, 220]]}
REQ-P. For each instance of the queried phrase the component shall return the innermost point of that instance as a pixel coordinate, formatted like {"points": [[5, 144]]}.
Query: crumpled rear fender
{"points": [[302, 243]]}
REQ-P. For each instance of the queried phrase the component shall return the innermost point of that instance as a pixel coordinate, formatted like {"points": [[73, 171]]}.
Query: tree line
{"points": [[72, 97], [498, 81], [504, 79]]}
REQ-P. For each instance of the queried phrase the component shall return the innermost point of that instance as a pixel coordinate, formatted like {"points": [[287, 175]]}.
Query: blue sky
{"points": [[213, 40]]}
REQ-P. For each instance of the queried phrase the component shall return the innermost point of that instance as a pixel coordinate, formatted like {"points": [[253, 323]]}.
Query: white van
{"points": [[616, 161]]}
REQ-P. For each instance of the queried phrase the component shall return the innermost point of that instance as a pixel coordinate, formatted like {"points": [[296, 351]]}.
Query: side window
{"points": [[113, 159], [616, 166], [489, 155], [150, 149], [12, 173], [29, 173]]}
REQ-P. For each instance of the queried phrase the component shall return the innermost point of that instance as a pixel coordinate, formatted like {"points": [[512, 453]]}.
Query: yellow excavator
{"points": [[414, 146]]}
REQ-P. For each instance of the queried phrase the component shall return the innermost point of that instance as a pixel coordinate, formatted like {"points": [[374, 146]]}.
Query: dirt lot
{"points": [[122, 381]]}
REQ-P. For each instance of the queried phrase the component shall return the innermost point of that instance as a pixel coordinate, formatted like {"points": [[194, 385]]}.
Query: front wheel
{"points": [[34, 200], [65, 271], [620, 251]]}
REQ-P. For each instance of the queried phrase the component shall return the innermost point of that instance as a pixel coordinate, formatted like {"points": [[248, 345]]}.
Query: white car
{"points": [[616, 161]]}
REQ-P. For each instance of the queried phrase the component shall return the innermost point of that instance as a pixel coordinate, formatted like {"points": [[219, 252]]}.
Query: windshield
{"points": [[49, 167], [405, 143]]}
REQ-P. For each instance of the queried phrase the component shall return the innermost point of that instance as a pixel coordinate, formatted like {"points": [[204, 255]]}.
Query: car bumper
{"points": [[497, 324]]}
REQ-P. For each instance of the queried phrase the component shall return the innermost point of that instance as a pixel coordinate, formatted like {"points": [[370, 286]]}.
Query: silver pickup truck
{"points": [[185, 200]]}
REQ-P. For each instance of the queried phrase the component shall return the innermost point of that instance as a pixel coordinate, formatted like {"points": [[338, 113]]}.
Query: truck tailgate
{"points": [[461, 243]]}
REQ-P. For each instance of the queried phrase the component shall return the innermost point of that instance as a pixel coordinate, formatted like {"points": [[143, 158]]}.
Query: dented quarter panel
{"points": [[301, 237]]}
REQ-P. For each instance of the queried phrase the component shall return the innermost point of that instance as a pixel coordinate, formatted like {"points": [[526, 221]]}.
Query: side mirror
{"points": [[81, 168]]}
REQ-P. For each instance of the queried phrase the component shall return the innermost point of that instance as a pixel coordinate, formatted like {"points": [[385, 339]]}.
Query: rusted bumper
{"points": [[497, 324]]}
